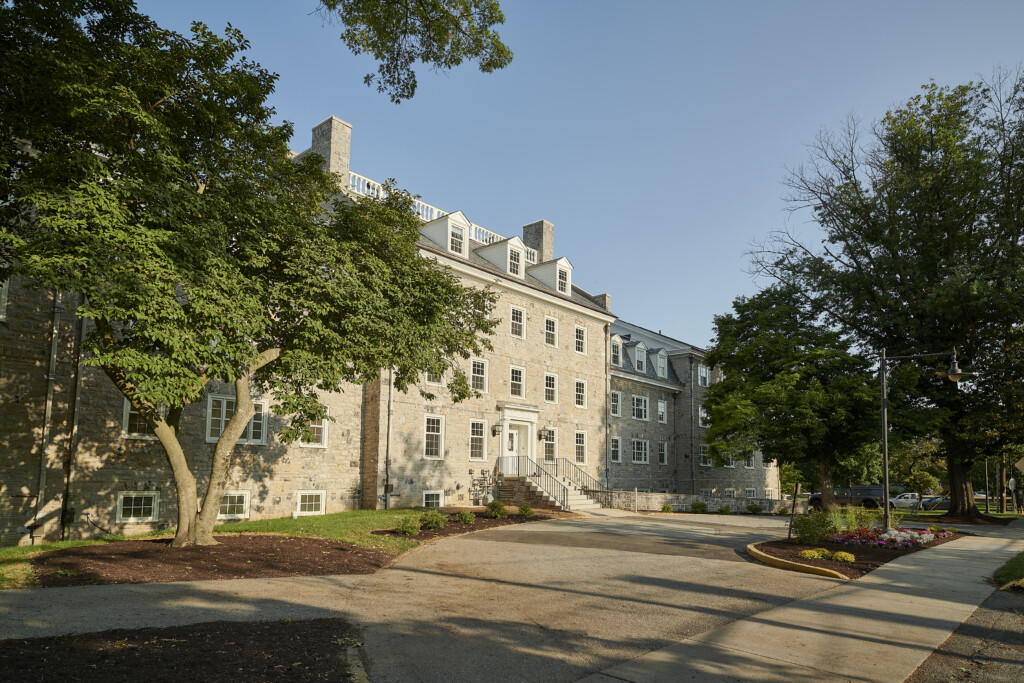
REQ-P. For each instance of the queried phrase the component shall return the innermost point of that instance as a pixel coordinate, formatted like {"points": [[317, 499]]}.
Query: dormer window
{"points": [[616, 353], [662, 365], [641, 360], [703, 375], [458, 239], [515, 261], [563, 280]]}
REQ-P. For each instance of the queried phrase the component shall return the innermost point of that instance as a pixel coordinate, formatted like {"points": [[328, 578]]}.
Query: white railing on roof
{"points": [[361, 185]]}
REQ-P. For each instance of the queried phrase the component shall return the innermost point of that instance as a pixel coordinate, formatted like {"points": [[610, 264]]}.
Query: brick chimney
{"points": [[540, 236], [332, 140]]}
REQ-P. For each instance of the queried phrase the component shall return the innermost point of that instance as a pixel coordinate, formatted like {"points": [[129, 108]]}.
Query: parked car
{"points": [[936, 503], [909, 501], [867, 496]]}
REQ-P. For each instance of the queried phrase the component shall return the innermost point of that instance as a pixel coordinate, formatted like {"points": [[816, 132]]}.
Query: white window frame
{"points": [[563, 280], [749, 493], [553, 440], [730, 462], [645, 404], [703, 417], [662, 411], [645, 451], [125, 434], [580, 340], [461, 238], [616, 356], [439, 382], [245, 505], [749, 462], [485, 375], [615, 448], [322, 443], [663, 453], [615, 397], [483, 440], [769, 494], [319, 493], [261, 409], [703, 375], [512, 322], [662, 365], [522, 383], [577, 444], [440, 498], [547, 376], [515, 262], [553, 332], [707, 493], [641, 360], [155, 516], [440, 434], [577, 384], [705, 456], [5, 293], [729, 493]]}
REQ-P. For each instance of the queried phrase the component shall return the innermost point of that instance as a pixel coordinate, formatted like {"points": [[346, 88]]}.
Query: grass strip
{"points": [[1011, 574]]}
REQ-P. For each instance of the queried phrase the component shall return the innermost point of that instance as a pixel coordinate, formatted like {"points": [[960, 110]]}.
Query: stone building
{"points": [[566, 386]]}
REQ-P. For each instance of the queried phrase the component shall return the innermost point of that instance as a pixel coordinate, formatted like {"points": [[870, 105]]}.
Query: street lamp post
{"points": [[954, 374]]}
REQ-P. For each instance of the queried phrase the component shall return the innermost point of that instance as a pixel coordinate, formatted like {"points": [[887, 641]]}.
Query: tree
{"points": [[142, 171], [921, 222], [400, 33], [791, 389]]}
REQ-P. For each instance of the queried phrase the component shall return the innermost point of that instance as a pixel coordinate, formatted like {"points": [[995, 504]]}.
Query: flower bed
{"points": [[894, 538]]}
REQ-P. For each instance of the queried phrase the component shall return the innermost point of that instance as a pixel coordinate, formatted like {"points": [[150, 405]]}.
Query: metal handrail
{"points": [[577, 476], [523, 466]]}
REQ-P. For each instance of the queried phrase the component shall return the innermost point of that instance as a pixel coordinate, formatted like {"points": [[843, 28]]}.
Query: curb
{"points": [[792, 566]]}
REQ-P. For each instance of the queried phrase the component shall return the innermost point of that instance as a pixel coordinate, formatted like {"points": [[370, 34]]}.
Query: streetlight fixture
{"points": [[954, 374]]}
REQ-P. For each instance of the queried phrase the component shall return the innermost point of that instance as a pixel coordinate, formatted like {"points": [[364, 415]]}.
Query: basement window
{"points": [[138, 506]]}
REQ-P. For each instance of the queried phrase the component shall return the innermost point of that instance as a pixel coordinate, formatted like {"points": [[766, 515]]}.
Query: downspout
{"points": [[693, 451], [387, 443], [73, 440], [608, 409], [51, 378]]}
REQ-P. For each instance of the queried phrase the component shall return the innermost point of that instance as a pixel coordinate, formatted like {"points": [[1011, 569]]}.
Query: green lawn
{"points": [[353, 527], [1011, 573]]}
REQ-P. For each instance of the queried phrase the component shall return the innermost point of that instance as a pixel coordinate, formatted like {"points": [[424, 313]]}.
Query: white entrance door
{"points": [[511, 464]]}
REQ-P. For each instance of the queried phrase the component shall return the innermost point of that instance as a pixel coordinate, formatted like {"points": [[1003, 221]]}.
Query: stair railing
{"points": [[523, 466], [574, 473]]}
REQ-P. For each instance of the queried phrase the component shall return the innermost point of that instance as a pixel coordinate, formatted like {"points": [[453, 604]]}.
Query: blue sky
{"points": [[654, 135]]}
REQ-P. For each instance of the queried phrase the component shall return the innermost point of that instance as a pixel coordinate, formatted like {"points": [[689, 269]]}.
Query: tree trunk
{"points": [[828, 494], [961, 490]]}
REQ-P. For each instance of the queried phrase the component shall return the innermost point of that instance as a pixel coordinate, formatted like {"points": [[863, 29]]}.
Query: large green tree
{"points": [[921, 227], [791, 390], [141, 169]]}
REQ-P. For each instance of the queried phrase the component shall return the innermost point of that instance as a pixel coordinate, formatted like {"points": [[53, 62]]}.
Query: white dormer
{"points": [[616, 352], [556, 274], [450, 232], [640, 351], [662, 364], [508, 255]]}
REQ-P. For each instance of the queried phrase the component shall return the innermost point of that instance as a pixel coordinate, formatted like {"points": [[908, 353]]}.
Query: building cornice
{"points": [[647, 380]]}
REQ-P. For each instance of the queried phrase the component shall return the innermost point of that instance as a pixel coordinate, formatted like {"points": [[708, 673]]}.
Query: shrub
{"points": [[815, 554], [724, 510], [666, 507], [782, 510], [814, 527], [754, 509], [433, 519], [843, 557], [859, 518], [698, 507], [496, 510], [410, 526], [934, 527], [526, 510], [465, 517]]}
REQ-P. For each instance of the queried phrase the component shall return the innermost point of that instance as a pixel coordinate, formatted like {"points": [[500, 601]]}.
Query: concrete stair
{"points": [[516, 490]]}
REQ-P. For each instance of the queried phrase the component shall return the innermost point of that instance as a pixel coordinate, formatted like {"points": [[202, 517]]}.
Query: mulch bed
{"points": [[868, 557], [953, 520], [236, 556], [315, 650]]}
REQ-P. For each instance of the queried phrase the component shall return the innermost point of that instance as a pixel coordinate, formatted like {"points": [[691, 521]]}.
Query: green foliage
{"points": [[754, 509], [666, 507], [438, 33], [841, 556], [815, 527], [409, 526], [782, 510], [496, 510], [465, 517], [526, 510], [698, 507], [433, 519], [815, 554], [859, 518], [724, 510]]}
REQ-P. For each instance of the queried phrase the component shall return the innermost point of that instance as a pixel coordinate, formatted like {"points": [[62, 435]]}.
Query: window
{"points": [[517, 382], [749, 462], [663, 412], [5, 291], [581, 448], [310, 503], [478, 376], [138, 506], [433, 437], [219, 410], [518, 328], [703, 375], [750, 493], [641, 360], [551, 331], [457, 239], [515, 259], [662, 453], [730, 462], [133, 425], [616, 399], [616, 353], [433, 499], [550, 388], [563, 280], [640, 451], [319, 429], [705, 492], [616, 453], [769, 494], [550, 445], [705, 459], [703, 418], [662, 366], [730, 493], [477, 442], [433, 378], [581, 394], [581, 339], [640, 408], [234, 505]]}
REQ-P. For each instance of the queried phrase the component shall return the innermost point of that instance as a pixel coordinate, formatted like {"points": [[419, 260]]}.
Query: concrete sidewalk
{"points": [[879, 628]]}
